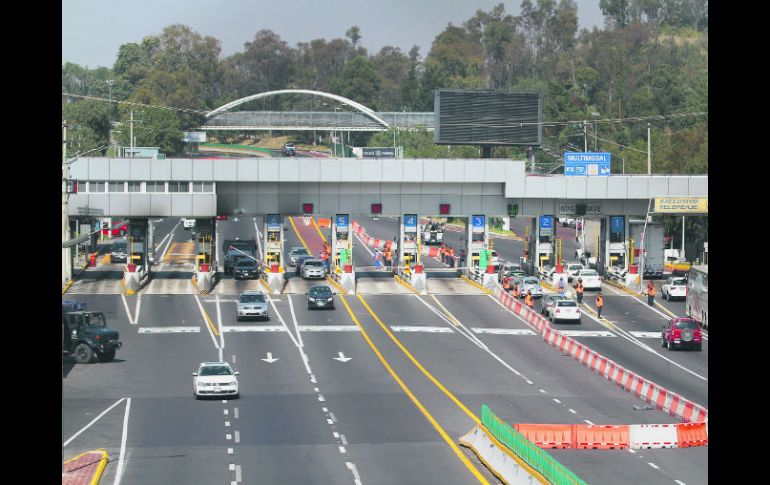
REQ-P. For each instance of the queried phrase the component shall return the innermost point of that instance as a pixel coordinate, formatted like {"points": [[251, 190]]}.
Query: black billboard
{"points": [[468, 117]]}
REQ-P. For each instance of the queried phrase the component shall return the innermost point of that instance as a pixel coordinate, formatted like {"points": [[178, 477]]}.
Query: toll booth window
{"points": [[135, 186], [179, 186], [616, 237], [96, 186], [155, 186], [117, 186]]}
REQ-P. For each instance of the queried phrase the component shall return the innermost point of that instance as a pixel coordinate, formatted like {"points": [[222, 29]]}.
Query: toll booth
{"points": [[614, 247], [273, 263], [204, 245], [480, 264], [341, 258], [137, 264], [540, 246], [409, 262]]}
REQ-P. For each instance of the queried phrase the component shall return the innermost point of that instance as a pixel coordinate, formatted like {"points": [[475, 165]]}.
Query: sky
{"points": [[93, 30]]}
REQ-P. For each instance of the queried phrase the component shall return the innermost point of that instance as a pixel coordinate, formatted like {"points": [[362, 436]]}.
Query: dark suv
{"points": [[245, 268], [86, 334], [289, 150], [682, 332]]}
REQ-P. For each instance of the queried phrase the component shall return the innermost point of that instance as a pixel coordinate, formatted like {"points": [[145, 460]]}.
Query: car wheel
{"points": [[83, 354], [107, 356]]}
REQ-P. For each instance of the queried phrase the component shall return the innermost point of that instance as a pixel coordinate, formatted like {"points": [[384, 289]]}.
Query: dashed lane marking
{"points": [[410, 328], [169, 329], [503, 331]]}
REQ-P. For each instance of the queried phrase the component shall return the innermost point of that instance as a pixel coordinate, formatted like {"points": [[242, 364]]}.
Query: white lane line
{"points": [[125, 304], [630, 450], [221, 333], [589, 422], [556, 401], [169, 329], [219, 248], [168, 244], [296, 325], [229, 451], [138, 306], [344, 440], [238, 476], [457, 323], [371, 253], [587, 333], [679, 482], [321, 398], [236, 413], [205, 321], [233, 358], [259, 238], [92, 422], [254, 328], [227, 424], [354, 471], [237, 436], [542, 390], [572, 411], [336, 434], [119, 472], [231, 467], [228, 436], [413, 328], [329, 421], [329, 328], [303, 356], [342, 449], [645, 334], [334, 419], [653, 465], [503, 331], [227, 411], [326, 410]]}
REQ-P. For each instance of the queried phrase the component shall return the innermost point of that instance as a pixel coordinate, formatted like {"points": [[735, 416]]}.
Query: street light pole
{"points": [[585, 137], [649, 153]]}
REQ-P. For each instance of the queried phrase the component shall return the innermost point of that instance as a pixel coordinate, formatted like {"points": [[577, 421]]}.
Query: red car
{"points": [[116, 231], [221, 218], [682, 332]]}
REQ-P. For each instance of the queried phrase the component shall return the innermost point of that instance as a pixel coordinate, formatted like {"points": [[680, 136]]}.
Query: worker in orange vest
{"points": [[529, 300], [443, 253], [599, 304], [507, 283], [579, 290], [451, 257], [650, 293], [516, 292]]}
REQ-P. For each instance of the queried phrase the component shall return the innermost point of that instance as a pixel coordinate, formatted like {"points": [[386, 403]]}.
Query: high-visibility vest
{"points": [[651, 290], [507, 283], [579, 288], [599, 301], [516, 291], [530, 301]]}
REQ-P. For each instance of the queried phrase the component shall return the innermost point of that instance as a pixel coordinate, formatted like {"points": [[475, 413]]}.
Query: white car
{"points": [[215, 379], [574, 269], [252, 303], [674, 288], [591, 279], [188, 223], [313, 268], [565, 310]]}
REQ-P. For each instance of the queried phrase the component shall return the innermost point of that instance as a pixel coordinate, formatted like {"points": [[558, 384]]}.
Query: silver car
{"points": [[313, 268], [531, 284], [295, 253], [252, 303]]}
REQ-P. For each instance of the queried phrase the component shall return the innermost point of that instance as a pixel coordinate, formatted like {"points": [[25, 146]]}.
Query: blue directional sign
{"points": [[341, 221], [410, 223], [617, 224], [477, 224], [587, 164], [274, 222], [546, 225]]}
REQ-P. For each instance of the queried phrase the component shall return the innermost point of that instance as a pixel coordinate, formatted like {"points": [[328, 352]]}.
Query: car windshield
{"points": [[575, 266], [531, 281], [255, 298], [215, 370], [298, 251], [246, 263], [566, 303], [239, 252], [119, 248], [321, 291], [313, 263], [518, 273], [588, 273], [688, 324], [679, 282]]}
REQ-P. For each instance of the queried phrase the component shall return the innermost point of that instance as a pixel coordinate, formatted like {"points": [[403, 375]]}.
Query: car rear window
{"points": [[297, 251], [688, 324], [256, 298], [313, 263], [680, 282], [588, 273], [565, 303]]}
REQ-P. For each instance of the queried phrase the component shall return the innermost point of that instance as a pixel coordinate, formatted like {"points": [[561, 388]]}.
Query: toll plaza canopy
{"points": [[187, 187]]}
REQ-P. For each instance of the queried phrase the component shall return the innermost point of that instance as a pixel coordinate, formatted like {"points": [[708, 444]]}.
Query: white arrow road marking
{"points": [[342, 357], [270, 358]]}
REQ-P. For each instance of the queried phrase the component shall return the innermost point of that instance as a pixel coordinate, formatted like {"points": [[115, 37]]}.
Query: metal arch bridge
{"points": [[364, 119]]}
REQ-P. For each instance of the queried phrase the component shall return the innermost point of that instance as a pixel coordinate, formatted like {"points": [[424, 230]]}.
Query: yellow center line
{"points": [[208, 319], [455, 321], [312, 221], [418, 365], [411, 396], [468, 280], [406, 285]]}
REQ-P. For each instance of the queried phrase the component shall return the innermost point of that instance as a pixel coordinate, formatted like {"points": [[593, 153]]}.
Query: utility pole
{"points": [[682, 255], [649, 153], [131, 153], [585, 137], [66, 269]]}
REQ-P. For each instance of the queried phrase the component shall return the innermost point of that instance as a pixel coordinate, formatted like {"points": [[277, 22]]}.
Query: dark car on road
{"points": [[320, 297], [289, 150], [85, 334], [119, 253], [245, 268], [234, 255], [681, 333]]}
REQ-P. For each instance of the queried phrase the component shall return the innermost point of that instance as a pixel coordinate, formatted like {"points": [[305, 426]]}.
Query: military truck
{"points": [[85, 334]]}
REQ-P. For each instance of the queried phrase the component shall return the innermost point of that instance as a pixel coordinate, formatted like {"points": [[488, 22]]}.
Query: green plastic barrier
{"points": [[535, 457]]}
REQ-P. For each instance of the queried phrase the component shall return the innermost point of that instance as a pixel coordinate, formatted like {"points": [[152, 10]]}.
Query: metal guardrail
{"points": [[310, 120]]}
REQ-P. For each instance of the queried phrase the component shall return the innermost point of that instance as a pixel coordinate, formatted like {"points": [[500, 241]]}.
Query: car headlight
{"points": [[234, 383]]}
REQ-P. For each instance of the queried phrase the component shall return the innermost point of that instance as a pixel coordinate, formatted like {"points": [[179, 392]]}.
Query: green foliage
{"points": [[360, 82], [89, 123]]}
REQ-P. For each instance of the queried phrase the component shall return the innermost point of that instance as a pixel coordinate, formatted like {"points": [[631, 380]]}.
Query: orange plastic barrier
{"points": [[324, 222], [601, 437], [692, 434], [548, 435], [432, 252]]}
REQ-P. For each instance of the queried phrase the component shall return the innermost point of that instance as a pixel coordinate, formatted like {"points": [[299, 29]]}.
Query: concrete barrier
{"points": [[204, 281], [347, 281], [275, 282], [419, 282], [132, 281], [499, 459]]}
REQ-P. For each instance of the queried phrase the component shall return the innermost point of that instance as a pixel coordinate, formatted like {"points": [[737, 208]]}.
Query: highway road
{"points": [[376, 391]]}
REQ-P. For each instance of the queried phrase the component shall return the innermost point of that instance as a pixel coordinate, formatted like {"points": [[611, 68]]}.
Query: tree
{"points": [[90, 124], [153, 127], [354, 34], [395, 68], [617, 10], [360, 82]]}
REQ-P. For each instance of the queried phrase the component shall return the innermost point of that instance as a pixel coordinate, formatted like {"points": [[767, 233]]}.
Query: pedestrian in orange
{"points": [[529, 300], [599, 304]]}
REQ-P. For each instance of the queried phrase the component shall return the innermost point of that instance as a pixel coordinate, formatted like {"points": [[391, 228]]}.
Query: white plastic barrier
{"points": [[645, 436], [204, 281], [419, 282], [276, 282], [347, 281], [489, 281], [500, 462], [133, 281]]}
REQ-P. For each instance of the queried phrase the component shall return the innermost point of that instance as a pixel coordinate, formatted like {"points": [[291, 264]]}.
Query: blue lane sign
{"points": [[410, 223], [546, 225], [617, 224], [587, 164], [477, 224], [274, 222], [341, 221]]}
